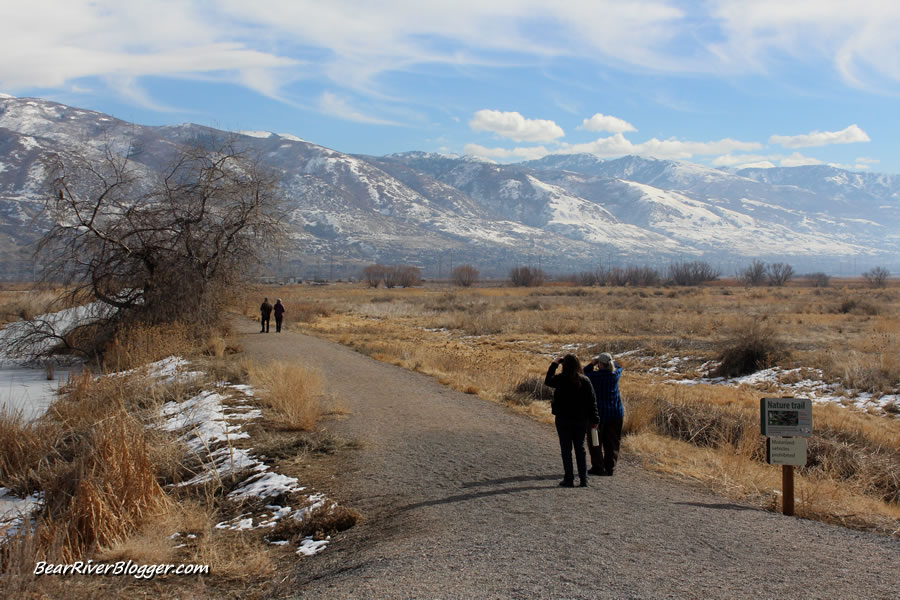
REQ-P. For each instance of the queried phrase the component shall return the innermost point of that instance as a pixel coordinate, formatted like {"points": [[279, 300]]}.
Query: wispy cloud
{"points": [[523, 153], [337, 106], [601, 122], [514, 126], [859, 39], [798, 160], [849, 135], [619, 145]]}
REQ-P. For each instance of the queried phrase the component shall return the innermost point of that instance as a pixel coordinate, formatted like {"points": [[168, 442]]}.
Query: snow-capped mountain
{"points": [[567, 212]]}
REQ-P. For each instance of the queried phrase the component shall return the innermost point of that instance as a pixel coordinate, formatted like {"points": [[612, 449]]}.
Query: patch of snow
{"points": [[310, 547], [257, 134], [14, 511], [290, 137]]}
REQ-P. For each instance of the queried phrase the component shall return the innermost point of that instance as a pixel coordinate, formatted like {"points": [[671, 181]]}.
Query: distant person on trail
{"points": [[279, 315], [575, 408], [604, 374], [265, 310]]}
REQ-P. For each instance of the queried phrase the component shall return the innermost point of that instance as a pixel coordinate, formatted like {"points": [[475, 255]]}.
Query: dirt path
{"points": [[460, 500]]}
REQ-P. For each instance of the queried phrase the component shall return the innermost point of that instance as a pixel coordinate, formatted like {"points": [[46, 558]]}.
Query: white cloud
{"points": [[337, 106], [619, 145], [849, 135], [866, 160], [526, 153], [601, 122], [798, 160], [859, 39], [740, 160], [52, 44], [264, 45], [514, 126], [762, 164]]}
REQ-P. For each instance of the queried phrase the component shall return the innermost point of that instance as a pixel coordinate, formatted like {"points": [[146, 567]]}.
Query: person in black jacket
{"points": [[265, 311], [575, 408], [279, 315]]}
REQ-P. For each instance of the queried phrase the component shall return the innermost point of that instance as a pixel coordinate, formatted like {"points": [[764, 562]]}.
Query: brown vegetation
{"points": [[497, 342], [111, 478]]}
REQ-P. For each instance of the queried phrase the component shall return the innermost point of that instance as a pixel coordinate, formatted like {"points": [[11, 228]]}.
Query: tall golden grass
{"points": [[291, 390]]}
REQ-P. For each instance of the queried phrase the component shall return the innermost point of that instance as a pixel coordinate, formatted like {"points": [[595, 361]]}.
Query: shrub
{"points": [[402, 276], [876, 277], [529, 390], [291, 390], [819, 279], [465, 275], [779, 273], [374, 275], [749, 349], [755, 274], [692, 273], [526, 276]]}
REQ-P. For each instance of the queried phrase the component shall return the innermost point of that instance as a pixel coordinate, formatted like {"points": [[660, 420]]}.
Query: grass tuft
{"points": [[291, 390]]}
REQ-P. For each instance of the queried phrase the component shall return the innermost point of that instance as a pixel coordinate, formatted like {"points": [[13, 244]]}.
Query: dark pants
{"points": [[604, 456], [278, 323], [264, 321], [571, 434]]}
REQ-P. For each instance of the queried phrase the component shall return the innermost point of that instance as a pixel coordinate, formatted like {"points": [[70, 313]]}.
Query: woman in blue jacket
{"points": [[575, 409], [604, 374]]}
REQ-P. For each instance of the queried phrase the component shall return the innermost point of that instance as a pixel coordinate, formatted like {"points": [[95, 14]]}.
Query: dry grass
{"points": [[497, 341], [291, 390], [142, 344], [24, 303], [107, 473]]}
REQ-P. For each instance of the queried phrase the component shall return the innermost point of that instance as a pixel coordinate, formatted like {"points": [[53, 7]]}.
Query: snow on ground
{"points": [[14, 511], [209, 423], [799, 384]]}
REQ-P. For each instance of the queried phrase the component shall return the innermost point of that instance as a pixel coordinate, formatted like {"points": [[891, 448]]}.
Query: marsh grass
{"points": [[109, 478], [291, 390], [497, 341]]}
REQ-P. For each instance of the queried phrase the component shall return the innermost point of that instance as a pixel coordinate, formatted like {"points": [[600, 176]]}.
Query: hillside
{"points": [[564, 212]]}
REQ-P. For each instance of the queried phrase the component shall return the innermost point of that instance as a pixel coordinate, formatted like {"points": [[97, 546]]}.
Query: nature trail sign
{"points": [[786, 423]]}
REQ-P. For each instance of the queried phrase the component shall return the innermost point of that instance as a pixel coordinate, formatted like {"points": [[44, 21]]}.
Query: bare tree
{"points": [[755, 274], [526, 276], [465, 275], [692, 273], [408, 276], [780, 273], [158, 247], [876, 277], [819, 279], [374, 275]]}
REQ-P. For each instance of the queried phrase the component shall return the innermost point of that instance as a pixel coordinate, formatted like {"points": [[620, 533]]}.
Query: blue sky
{"points": [[720, 82]]}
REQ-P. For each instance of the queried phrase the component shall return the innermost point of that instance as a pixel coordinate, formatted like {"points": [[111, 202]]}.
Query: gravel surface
{"points": [[460, 500]]}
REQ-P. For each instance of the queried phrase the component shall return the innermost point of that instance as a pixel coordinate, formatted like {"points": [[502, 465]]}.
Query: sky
{"points": [[724, 83]]}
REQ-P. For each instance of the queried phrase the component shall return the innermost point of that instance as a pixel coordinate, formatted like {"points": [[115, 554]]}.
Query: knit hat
{"points": [[604, 359]]}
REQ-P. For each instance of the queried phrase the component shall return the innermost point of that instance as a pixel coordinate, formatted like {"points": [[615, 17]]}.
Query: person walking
{"points": [[575, 408], [265, 310], [279, 315], [604, 374]]}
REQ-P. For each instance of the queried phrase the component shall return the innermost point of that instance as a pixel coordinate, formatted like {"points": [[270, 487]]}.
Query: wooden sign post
{"points": [[787, 490], [786, 423]]}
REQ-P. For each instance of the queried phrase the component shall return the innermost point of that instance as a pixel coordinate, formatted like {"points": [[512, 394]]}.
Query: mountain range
{"points": [[564, 213]]}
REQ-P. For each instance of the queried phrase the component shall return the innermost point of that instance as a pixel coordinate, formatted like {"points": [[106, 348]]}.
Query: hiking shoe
{"points": [[566, 483], [582, 483]]}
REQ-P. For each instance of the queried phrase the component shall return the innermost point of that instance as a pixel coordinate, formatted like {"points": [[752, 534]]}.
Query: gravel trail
{"points": [[460, 500]]}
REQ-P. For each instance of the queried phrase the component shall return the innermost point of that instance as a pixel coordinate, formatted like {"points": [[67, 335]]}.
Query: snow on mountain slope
{"points": [[416, 206]]}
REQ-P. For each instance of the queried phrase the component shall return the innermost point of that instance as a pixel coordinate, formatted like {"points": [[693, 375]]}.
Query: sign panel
{"points": [[785, 417], [786, 451]]}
